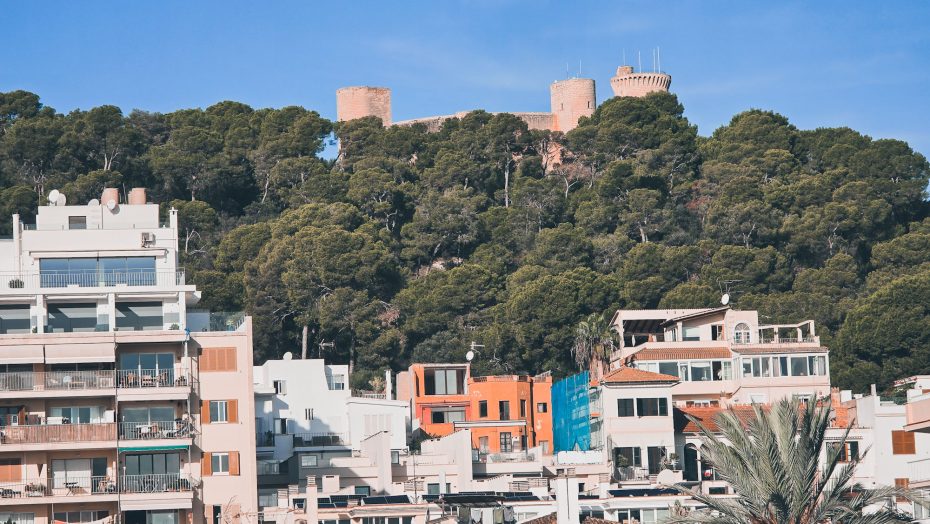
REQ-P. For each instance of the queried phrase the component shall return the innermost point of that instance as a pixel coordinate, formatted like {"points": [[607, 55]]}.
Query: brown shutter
{"points": [[206, 363], [234, 463], [206, 467], [218, 359], [232, 410], [902, 483], [230, 359], [205, 412], [902, 443]]}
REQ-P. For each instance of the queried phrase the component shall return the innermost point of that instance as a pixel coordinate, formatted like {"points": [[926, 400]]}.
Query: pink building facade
{"points": [[117, 402]]}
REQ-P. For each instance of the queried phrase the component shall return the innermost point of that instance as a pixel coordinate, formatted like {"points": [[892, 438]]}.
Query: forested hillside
{"points": [[411, 244]]}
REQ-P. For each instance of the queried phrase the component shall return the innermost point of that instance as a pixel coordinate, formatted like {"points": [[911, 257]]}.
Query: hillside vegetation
{"points": [[411, 244]]}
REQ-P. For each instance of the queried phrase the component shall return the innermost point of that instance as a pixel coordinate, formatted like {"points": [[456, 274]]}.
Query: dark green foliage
{"points": [[410, 245]]}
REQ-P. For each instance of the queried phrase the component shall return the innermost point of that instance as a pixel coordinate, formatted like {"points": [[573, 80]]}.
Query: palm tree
{"points": [[783, 471], [594, 342]]}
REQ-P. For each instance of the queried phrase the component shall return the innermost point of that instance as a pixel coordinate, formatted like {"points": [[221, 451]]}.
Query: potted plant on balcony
{"points": [[16, 284], [670, 462]]}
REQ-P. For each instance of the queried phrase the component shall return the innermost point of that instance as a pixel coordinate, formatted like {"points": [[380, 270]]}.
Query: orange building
{"points": [[510, 413], [505, 413], [438, 396]]}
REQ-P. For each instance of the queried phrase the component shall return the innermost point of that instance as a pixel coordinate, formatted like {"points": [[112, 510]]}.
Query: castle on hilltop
{"points": [[570, 100]]}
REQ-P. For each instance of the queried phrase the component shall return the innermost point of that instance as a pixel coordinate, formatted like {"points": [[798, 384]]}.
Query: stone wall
{"points": [[361, 101], [570, 100], [628, 83]]}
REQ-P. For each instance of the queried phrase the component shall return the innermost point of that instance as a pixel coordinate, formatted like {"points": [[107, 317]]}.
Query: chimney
{"points": [[311, 508], [566, 496], [109, 193], [388, 385], [874, 391], [137, 196]]}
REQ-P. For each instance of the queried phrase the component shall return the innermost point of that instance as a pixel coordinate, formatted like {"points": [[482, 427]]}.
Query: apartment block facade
{"points": [[117, 402]]}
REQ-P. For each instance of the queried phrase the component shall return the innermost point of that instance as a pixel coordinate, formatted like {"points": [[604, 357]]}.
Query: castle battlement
{"points": [[569, 99]]}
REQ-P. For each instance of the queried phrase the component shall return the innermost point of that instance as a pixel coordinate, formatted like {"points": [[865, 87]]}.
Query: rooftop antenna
{"points": [[659, 57], [640, 60], [579, 68], [567, 74], [653, 60], [624, 56]]}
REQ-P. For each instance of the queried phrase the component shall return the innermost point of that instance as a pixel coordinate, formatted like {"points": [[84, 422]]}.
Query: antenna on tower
{"points": [[579, 68], [653, 60], [567, 74], [659, 57], [640, 60], [624, 56]]}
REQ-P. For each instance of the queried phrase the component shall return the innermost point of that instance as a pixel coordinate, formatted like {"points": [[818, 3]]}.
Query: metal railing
{"points": [[497, 458], [154, 483], [161, 429], [153, 378], [359, 393], [56, 380], [321, 439], [270, 467], [53, 433], [920, 470], [63, 486], [91, 278], [624, 473]]}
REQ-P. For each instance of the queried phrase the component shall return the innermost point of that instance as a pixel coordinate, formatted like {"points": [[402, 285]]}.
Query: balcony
{"points": [[70, 487], [500, 458], [56, 436], [45, 280], [153, 384], [920, 473], [321, 440], [162, 429], [55, 383], [154, 483]]}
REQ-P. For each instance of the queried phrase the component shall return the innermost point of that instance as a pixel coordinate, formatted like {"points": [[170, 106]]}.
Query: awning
{"points": [[69, 353], [21, 354], [172, 447]]}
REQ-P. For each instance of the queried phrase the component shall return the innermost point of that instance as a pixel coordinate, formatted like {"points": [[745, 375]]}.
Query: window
{"points": [[691, 333], [447, 416], [219, 463], [668, 368], [72, 318], [77, 222], [88, 272], [336, 382], [817, 365], [73, 517], [544, 444], [15, 319], [309, 461], [218, 359], [542, 407], [444, 381], [625, 407], [483, 445], [280, 387], [741, 333], [902, 443], [522, 409], [308, 414], [506, 442], [652, 407], [395, 457], [432, 489], [364, 491], [219, 411], [701, 372], [482, 408], [22, 518], [504, 409], [716, 332], [628, 457], [847, 451], [798, 366]]}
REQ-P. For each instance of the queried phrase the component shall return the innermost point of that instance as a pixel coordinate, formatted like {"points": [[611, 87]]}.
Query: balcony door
{"points": [[146, 369]]}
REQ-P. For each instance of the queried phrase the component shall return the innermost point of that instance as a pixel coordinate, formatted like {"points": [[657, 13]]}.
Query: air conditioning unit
{"points": [[148, 239]]}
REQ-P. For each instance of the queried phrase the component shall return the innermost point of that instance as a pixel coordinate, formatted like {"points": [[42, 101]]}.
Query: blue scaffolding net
{"points": [[570, 414]]}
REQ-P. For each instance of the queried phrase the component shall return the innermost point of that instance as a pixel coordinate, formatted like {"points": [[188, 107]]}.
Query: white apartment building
{"points": [[116, 402]]}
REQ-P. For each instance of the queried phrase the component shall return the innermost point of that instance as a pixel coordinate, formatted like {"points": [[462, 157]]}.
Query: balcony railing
{"points": [[360, 393], [63, 486], [499, 458], [56, 380], [920, 470], [162, 429], [53, 433], [321, 439], [90, 278], [625, 473], [153, 378], [156, 483]]}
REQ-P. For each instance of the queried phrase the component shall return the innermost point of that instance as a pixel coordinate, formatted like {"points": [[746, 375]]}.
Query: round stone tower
{"points": [[571, 99], [628, 83], [361, 101]]}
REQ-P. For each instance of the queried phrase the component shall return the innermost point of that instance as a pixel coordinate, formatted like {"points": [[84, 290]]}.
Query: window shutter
{"points": [[206, 360], [232, 411], [205, 412], [902, 443], [206, 467], [234, 463], [230, 359]]}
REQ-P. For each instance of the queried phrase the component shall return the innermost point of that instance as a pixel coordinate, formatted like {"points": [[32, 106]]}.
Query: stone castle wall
{"points": [[361, 101], [628, 83], [570, 100]]}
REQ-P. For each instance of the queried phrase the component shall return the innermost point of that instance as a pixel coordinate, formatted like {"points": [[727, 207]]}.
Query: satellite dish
{"points": [[725, 299], [61, 200], [469, 356], [53, 197], [93, 202], [111, 204], [288, 356]]}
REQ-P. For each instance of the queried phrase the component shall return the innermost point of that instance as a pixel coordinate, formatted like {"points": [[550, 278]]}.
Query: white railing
{"points": [[321, 439], [155, 483], [56, 380], [64, 486], [162, 429], [920, 470], [626, 473]]}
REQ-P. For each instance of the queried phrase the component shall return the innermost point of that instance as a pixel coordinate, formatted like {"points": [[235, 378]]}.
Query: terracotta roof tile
{"points": [[708, 417], [681, 353], [627, 375]]}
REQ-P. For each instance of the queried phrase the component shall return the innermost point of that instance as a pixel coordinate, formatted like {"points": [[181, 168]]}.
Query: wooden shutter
{"points": [[206, 467], [232, 411], [234, 463], [205, 412], [218, 359], [902, 443], [902, 484], [11, 470]]}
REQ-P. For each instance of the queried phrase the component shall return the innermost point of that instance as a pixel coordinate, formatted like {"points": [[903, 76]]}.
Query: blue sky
{"points": [[862, 65]]}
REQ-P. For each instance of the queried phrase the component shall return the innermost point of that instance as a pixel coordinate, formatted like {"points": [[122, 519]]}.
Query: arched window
{"points": [[741, 333]]}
